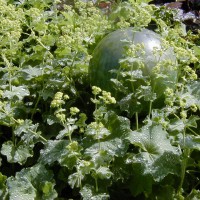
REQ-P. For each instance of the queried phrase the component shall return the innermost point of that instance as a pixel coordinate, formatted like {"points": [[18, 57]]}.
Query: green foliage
{"points": [[32, 183], [62, 138]]}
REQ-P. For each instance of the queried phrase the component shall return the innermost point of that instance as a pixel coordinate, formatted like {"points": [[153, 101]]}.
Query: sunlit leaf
{"points": [[27, 131], [75, 179], [32, 72], [17, 91], [152, 139], [32, 183], [97, 131], [71, 156], [103, 173], [190, 142], [116, 144], [157, 157], [177, 125], [130, 104], [53, 151], [16, 153], [88, 192], [168, 163]]}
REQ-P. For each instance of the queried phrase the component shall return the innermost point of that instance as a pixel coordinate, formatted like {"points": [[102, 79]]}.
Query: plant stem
{"points": [[186, 153], [9, 70], [96, 184], [192, 131], [136, 118], [150, 108], [35, 107], [70, 138]]}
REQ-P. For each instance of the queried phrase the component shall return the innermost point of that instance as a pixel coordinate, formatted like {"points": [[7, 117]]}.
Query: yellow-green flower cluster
{"points": [[190, 74], [186, 55], [79, 28], [20, 121], [133, 50], [60, 116], [11, 21], [96, 90], [96, 125], [58, 100], [142, 14], [74, 110], [194, 108], [169, 97], [73, 146], [182, 103], [105, 96], [183, 114]]}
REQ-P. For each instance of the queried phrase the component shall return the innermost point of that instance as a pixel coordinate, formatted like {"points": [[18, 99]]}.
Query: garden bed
{"points": [[64, 137]]}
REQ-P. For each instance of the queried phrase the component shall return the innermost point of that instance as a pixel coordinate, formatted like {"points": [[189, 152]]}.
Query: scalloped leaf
{"points": [[53, 151], [16, 153], [157, 156], [116, 143], [17, 91], [32, 183]]}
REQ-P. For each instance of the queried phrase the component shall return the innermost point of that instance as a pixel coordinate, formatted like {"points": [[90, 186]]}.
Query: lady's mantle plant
{"points": [[62, 138]]}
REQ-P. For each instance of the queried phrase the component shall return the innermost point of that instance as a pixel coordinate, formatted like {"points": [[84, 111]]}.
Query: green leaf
{"points": [[97, 131], [75, 179], [27, 131], [32, 183], [48, 40], [100, 157], [130, 104], [196, 50], [179, 125], [140, 182], [165, 193], [116, 143], [48, 190], [32, 72], [89, 192], [156, 155], [168, 163], [152, 139], [20, 188], [103, 173], [190, 142], [16, 91], [3, 188], [71, 156], [144, 175], [191, 94], [194, 89], [192, 121], [53, 151], [146, 93], [16, 153], [114, 147], [118, 126], [194, 195], [176, 125], [69, 128]]}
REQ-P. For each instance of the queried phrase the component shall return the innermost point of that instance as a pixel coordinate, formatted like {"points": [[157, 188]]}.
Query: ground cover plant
{"points": [[62, 137]]}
